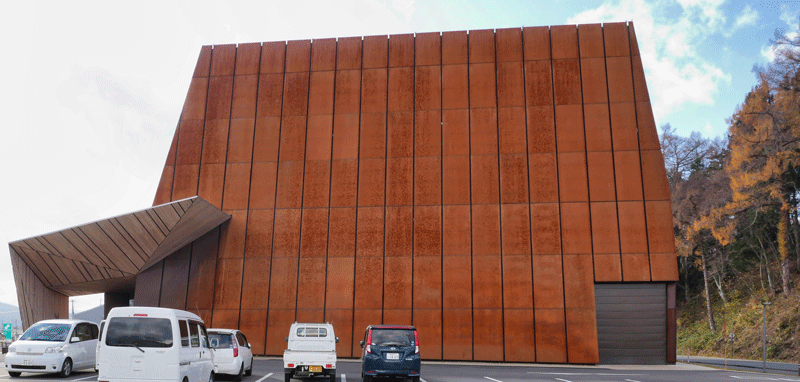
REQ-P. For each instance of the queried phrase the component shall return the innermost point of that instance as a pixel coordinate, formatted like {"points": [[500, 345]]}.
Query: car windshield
{"points": [[219, 340], [47, 332], [142, 332], [392, 337], [312, 332]]}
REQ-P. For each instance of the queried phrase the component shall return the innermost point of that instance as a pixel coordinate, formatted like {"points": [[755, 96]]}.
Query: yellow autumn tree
{"points": [[764, 136]]}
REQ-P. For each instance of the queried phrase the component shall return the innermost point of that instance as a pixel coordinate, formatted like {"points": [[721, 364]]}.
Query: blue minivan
{"points": [[390, 351]]}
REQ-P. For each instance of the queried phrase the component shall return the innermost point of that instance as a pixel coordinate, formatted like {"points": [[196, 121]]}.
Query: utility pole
{"points": [[764, 338]]}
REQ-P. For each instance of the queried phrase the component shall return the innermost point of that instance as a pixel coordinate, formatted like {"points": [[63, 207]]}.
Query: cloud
{"points": [[404, 7], [705, 11], [768, 53], [676, 73], [790, 17], [748, 16]]}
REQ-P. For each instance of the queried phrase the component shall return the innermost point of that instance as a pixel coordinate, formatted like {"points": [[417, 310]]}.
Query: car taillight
{"points": [[140, 315], [329, 366], [369, 341], [416, 342], [235, 347], [291, 365]]}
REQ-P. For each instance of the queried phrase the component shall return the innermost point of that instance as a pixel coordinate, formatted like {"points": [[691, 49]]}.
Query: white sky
{"points": [[92, 90]]}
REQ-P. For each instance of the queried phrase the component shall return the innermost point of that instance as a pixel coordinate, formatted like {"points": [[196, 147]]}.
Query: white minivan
{"points": [[53, 346], [154, 344]]}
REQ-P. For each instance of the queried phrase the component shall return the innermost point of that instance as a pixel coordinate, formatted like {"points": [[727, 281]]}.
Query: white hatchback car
{"points": [[232, 354], [53, 346]]}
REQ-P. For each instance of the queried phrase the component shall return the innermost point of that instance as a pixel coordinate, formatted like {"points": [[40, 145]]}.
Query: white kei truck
{"points": [[311, 352]]}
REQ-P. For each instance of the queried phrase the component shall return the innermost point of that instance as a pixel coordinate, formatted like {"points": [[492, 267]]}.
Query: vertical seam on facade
{"points": [[357, 207], [471, 249], [441, 202], [330, 179], [528, 177], [558, 195], [303, 185], [228, 139], [275, 197], [250, 184], [203, 133], [499, 192], [413, 168], [199, 167], [586, 155], [639, 152], [216, 258], [227, 147], [385, 183], [161, 281], [189, 278], [613, 157]]}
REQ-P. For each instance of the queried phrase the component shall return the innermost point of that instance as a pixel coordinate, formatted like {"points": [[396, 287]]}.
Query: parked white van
{"points": [[154, 344], [53, 346]]}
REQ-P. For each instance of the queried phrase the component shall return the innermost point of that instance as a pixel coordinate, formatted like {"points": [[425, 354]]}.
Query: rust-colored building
{"points": [[502, 190]]}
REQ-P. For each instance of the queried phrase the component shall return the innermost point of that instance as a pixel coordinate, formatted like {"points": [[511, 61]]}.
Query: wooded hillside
{"points": [[735, 210]]}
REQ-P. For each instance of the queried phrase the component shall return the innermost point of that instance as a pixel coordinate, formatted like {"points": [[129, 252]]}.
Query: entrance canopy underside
{"points": [[106, 255]]}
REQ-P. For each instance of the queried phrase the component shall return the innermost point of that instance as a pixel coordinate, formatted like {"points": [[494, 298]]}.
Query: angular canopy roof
{"points": [[106, 255]]}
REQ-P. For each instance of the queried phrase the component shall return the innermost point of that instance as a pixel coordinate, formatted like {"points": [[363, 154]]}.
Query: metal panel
{"points": [[631, 323]]}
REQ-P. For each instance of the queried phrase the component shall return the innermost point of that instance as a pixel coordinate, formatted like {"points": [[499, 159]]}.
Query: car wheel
{"points": [[414, 379], [288, 377], [14, 374], [66, 368], [367, 378], [333, 375], [249, 371], [240, 376], [211, 377]]}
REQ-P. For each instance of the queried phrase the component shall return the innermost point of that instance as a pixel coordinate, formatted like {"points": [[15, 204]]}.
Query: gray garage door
{"points": [[632, 323]]}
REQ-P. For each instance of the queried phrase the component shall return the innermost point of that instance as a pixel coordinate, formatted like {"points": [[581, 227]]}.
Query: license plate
{"points": [[27, 362], [392, 355], [315, 369]]}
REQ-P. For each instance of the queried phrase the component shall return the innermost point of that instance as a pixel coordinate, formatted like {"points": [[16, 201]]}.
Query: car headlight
{"points": [[12, 349], [54, 349]]}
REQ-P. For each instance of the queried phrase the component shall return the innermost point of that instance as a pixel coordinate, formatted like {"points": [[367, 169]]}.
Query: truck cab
{"points": [[310, 352]]}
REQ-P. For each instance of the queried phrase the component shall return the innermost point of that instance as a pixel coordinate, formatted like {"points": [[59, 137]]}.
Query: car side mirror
{"points": [[74, 339], [287, 339], [361, 343], [337, 340]]}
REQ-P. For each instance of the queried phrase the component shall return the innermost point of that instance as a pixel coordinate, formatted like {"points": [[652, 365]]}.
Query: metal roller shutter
{"points": [[632, 323]]}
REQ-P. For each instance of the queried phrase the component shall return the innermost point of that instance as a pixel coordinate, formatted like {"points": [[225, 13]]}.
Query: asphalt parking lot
{"points": [[271, 369]]}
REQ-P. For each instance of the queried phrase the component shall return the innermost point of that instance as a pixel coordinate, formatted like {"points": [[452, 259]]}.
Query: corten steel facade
{"points": [[474, 184]]}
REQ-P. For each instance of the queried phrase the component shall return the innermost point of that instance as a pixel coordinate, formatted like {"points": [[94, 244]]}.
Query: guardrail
{"points": [[780, 367]]}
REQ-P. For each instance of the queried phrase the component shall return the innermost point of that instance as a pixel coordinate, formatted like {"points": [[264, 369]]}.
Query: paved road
{"points": [[271, 370]]}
